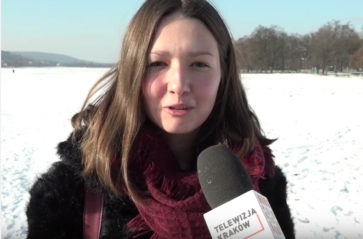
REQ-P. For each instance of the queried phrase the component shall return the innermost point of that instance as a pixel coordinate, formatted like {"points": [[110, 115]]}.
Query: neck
{"points": [[182, 145]]}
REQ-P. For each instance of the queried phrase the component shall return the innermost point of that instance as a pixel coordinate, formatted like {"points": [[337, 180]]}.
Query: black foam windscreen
{"points": [[221, 175]]}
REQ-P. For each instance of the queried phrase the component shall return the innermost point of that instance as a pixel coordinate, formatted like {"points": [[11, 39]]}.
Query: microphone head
{"points": [[221, 175]]}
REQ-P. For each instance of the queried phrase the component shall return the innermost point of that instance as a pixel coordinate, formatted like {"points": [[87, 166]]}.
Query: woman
{"points": [[174, 92]]}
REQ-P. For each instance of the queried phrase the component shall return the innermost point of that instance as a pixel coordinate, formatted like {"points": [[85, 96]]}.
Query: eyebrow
{"points": [[189, 54]]}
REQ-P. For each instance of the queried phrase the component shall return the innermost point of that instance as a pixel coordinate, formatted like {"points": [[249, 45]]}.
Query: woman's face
{"points": [[183, 76]]}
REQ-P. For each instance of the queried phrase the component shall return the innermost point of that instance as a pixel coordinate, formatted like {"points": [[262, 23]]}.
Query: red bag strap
{"points": [[92, 214]]}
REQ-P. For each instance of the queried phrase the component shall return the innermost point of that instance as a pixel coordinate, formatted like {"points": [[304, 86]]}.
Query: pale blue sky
{"points": [[93, 29]]}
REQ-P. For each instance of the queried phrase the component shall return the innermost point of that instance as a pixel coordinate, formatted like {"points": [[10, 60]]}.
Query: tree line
{"points": [[334, 47]]}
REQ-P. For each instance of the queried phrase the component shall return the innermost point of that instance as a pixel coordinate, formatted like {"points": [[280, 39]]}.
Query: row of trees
{"points": [[334, 47]]}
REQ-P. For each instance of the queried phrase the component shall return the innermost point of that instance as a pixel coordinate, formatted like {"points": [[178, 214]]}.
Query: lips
{"points": [[179, 109]]}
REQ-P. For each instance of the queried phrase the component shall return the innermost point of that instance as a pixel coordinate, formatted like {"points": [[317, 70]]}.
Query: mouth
{"points": [[179, 107], [178, 110]]}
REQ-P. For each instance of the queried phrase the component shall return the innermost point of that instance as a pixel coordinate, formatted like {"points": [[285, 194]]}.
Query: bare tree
{"points": [[333, 44], [296, 53], [270, 49], [244, 54], [346, 43], [323, 47], [268, 45], [356, 60]]}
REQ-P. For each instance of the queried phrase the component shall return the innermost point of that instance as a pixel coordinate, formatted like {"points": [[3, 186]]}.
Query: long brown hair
{"points": [[113, 120]]}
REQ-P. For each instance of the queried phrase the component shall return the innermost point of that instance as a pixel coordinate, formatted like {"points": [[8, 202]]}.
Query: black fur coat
{"points": [[55, 209]]}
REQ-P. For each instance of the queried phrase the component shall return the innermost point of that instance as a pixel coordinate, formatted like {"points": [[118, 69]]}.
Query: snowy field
{"points": [[318, 121]]}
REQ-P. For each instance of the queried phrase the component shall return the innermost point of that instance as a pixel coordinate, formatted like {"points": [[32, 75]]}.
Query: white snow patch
{"points": [[317, 120]]}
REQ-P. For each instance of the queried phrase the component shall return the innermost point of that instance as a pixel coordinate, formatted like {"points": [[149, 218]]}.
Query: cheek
{"points": [[152, 92], [208, 87], [148, 89]]}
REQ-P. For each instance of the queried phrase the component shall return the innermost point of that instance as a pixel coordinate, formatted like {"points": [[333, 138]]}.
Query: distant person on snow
{"points": [[175, 91]]}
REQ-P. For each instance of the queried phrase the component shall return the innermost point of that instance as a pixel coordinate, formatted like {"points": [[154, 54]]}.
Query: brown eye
{"points": [[157, 64], [199, 64]]}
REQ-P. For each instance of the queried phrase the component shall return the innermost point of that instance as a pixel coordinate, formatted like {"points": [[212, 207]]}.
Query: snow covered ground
{"points": [[318, 121]]}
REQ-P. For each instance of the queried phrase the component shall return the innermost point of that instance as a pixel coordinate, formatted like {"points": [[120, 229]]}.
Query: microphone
{"points": [[237, 210]]}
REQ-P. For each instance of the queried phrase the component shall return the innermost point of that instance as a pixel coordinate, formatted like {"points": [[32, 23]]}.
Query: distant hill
{"points": [[41, 59]]}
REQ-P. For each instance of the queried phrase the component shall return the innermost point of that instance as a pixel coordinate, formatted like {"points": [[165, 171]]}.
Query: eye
{"points": [[200, 64], [157, 64]]}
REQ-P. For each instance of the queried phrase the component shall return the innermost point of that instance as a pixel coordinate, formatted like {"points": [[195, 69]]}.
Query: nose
{"points": [[178, 80]]}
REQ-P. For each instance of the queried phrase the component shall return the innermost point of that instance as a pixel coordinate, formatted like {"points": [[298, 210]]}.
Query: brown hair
{"points": [[114, 119]]}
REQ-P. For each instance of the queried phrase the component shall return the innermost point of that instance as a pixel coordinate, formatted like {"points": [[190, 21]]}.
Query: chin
{"points": [[179, 130]]}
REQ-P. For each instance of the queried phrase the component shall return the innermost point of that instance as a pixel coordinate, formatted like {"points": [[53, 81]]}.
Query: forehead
{"points": [[177, 30]]}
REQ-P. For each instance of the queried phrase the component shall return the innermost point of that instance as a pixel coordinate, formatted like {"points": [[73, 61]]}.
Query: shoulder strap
{"points": [[92, 214]]}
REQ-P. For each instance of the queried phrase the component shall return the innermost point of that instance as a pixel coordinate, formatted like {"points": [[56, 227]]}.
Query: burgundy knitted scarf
{"points": [[176, 204]]}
